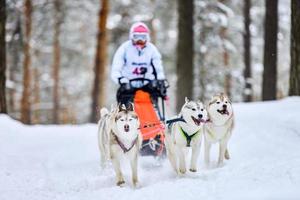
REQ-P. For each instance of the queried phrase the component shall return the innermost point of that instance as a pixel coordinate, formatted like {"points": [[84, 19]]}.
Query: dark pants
{"points": [[125, 96]]}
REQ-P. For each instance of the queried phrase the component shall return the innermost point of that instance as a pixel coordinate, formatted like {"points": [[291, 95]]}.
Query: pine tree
{"points": [[247, 52], [2, 56], [100, 62], [295, 49], [56, 59], [25, 102], [270, 51], [185, 52]]}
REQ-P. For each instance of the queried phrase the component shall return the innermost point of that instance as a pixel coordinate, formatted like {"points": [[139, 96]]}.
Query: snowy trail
{"points": [[62, 162]]}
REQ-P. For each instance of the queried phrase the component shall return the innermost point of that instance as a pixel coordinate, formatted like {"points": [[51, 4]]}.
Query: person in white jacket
{"points": [[137, 58]]}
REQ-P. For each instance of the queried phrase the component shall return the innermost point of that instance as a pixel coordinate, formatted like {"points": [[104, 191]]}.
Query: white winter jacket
{"points": [[128, 61]]}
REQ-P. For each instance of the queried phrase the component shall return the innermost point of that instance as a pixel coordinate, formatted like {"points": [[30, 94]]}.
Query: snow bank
{"points": [[62, 162]]}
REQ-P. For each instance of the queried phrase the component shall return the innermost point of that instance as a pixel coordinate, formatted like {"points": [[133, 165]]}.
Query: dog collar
{"points": [[188, 137]]}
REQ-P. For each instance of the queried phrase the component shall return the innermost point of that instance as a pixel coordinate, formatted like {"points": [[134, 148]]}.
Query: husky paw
{"points": [[227, 156], [193, 170], [182, 171], [136, 185], [135, 182], [220, 164], [120, 183]]}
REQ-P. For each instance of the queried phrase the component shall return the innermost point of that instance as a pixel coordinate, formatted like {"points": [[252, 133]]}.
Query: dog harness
{"points": [[171, 121], [188, 137], [125, 150]]}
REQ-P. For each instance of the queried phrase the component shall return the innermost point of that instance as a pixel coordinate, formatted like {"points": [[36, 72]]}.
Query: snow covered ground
{"points": [[62, 162]]}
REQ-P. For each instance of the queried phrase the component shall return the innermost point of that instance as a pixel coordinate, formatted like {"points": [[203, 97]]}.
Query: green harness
{"points": [[188, 137]]}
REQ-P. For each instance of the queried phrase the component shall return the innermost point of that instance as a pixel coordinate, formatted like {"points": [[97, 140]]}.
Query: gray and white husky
{"points": [[119, 136], [186, 133], [219, 127]]}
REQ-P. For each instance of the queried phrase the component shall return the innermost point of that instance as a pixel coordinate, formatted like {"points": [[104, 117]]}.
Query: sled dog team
{"points": [[119, 135]]}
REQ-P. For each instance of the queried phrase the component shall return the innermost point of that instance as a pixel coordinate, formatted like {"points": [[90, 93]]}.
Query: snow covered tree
{"points": [[226, 57], [100, 62], [295, 49], [15, 45], [270, 51], [3, 108], [25, 102], [185, 52], [247, 52], [215, 48]]}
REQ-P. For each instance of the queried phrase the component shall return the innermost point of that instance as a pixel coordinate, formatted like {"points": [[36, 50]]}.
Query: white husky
{"points": [[219, 127], [119, 136], [186, 132]]}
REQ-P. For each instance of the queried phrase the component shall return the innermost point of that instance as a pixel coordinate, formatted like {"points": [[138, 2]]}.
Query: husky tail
{"points": [[170, 148], [103, 112], [103, 136]]}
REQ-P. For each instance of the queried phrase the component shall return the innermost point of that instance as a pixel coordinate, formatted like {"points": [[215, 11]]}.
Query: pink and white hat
{"points": [[139, 28]]}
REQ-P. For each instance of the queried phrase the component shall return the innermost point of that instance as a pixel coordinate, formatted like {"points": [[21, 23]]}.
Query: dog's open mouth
{"points": [[197, 121], [126, 128], [223, 112]]}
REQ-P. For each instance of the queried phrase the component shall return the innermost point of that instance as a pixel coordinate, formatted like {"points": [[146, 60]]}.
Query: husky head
{"points": [[126, 119], [220, 107], [193, 112]]}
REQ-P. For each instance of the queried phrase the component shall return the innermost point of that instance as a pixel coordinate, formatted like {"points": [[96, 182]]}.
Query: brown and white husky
{"points": [[119, 136], [219, 127], [184, 134]]}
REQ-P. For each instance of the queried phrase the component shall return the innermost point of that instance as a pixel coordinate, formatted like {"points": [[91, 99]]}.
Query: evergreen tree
{"points": [[185, 52], [295, 49], [270, 51]]}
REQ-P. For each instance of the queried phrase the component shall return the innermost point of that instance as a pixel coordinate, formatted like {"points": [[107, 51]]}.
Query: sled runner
{"points": [[150, 107]]}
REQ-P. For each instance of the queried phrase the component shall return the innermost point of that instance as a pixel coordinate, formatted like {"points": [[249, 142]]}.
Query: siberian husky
{"points": [[186, 132], [219, 127], [120, 137]]}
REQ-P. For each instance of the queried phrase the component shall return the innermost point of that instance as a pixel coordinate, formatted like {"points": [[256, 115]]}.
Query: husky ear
{"points": [[122, 107], [186, 100], [112, 108], [130, 107], [199, 102]]}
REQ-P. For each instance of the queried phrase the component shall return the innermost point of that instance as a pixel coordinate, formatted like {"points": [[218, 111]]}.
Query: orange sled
{"points": [[151, 127]]}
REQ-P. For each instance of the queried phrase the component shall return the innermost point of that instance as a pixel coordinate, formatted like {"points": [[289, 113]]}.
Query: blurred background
{"points": [[59, 52]]}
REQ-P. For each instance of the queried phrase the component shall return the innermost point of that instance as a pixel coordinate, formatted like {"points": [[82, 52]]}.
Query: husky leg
{"points": [[173, 160], [170, 153], [116, 163], [133, 164], [207, 146], [195, 154], [182, 167], [222, 148], [102, 157]]}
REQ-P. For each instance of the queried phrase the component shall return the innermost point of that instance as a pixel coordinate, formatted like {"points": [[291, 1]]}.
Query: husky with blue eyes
{"points": [[219, 127], [185, 132], [124, 140]]}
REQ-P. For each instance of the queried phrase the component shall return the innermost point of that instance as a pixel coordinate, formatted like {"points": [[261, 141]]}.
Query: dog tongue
{"points": [[197, 121]]}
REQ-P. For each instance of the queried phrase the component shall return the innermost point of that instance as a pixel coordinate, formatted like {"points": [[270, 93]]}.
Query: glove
{"points": [[123, 80], [161, 82], [162, 87]]}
